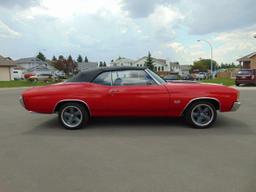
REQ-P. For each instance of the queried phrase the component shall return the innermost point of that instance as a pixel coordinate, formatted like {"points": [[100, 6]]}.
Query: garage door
{"points": [[4, 73]]}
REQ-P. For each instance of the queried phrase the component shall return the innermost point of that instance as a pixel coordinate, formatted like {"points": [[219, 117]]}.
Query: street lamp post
{"points": [[211, 47]]}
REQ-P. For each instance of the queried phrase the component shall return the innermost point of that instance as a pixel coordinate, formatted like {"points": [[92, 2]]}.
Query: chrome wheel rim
{"points": [[202, 115], [71, 116]]}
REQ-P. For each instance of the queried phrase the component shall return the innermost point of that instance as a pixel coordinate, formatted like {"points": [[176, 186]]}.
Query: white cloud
{"points": [[165, 16], [207, 16], [186, 54], [109, 28], [143, 8], [7, 32], [18, 3], [67, 9], [234, 44], [176, 46]]}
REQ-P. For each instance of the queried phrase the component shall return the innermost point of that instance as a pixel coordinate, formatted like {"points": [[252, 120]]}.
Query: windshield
{"points": [[156, 77]]}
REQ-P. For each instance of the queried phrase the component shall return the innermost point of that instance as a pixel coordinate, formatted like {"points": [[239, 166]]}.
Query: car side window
{"points": [[131, 78], [103, 79]]}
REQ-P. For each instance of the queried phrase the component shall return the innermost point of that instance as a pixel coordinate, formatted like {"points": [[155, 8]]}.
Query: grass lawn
{"points": [[21, 83], [224, 81]]}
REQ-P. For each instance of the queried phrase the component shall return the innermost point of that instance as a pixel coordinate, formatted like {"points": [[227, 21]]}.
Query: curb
{"points": [[13, 88]]}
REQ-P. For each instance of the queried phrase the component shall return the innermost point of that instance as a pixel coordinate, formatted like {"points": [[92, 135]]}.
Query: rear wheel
{"points": [[73, 115], [201, 114]]}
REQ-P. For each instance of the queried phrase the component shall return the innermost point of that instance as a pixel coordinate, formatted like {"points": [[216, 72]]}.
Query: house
{"points": [[160, 65], [30, 62], [185, 69], [175, 67], [41, 69], [122, 61], [6, 65], [248, 61], [84, 66]]}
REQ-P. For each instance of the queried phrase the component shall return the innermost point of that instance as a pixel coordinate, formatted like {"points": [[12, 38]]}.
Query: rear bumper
{"points": [[236, 106]]}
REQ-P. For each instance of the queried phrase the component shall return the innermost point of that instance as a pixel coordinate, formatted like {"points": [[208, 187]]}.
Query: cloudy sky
{"points": [[106, 29]]}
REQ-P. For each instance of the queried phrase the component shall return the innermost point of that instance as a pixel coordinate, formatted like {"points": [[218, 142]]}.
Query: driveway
{"points": [[121, 155]]}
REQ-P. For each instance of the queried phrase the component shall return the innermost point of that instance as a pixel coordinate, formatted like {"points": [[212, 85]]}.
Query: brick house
{"points": [[248, 61]]}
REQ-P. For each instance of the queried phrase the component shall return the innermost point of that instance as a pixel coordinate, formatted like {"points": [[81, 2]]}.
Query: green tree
{"points": [[70, 59], [86, 60], [70, 65], [104, 64], [204, 65], [101, 64], [79, 59], [61, 57], [41, 56], [54, 58], [228, 65], [149, 62]]}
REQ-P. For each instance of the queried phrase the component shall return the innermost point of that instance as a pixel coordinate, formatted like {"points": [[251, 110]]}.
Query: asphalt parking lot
{"points": [[121, 155]]}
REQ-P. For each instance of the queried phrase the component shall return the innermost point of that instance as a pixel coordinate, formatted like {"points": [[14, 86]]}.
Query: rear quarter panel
{"points": [[182, 94], [45, 99]]}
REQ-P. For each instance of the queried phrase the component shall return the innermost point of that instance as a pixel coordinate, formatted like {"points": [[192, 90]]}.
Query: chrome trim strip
{"points": [[70, 100], [198, 98], [236, 106], [152, 77]]}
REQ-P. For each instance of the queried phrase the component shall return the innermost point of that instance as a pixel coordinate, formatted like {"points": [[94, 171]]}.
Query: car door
{"points": [[136, 93]]}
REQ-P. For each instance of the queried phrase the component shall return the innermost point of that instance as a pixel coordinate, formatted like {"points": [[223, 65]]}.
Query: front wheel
{"points": [[73, 115], [201, 115]]}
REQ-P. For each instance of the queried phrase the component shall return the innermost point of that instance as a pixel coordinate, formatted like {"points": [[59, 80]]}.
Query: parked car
{"points": [[171, 77], [59, 75], [187, 77], [17, 74], [27, 75], [129, 91], [246, 76], [201, 76], [40, 77]]}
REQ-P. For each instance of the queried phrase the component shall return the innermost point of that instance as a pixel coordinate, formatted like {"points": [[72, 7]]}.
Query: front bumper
{"points": [[236, 106]]}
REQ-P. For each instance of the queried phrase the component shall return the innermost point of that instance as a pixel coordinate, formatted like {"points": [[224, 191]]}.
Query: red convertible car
{"points": [[129, 91]]}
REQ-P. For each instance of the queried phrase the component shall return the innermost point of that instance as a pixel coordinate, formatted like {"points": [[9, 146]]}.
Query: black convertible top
{"points": [[90, 75]]}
